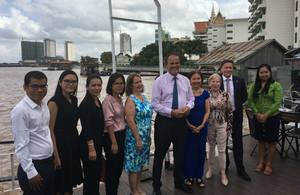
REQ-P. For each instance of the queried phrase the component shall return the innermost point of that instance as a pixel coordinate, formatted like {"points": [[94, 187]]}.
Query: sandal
{"points": [[199, 183], [268, 172], [260, 169], [191, 180]]}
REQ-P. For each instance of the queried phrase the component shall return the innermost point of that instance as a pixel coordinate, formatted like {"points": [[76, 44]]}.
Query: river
{"points": [[11, 92]]}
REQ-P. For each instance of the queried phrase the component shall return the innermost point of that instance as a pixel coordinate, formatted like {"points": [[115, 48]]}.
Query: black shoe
{"points": [[184, 187], [245, 176], [156, 191]]}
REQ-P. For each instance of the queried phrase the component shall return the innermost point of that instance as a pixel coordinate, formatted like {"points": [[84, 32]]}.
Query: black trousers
{"points": [[46, 170], [91, 168], [237, 139], [169, 130], [114, 162]]}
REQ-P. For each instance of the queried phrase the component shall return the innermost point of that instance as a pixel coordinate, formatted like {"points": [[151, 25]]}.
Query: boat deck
{"points": [[285, 178]]}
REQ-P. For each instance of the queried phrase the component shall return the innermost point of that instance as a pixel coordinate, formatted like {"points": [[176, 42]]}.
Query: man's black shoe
{"points": [[245, 176], [184, 187], [156, 191]]}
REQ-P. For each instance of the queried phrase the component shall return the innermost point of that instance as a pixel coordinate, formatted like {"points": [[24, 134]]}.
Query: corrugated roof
{"points": [[235, 51]]}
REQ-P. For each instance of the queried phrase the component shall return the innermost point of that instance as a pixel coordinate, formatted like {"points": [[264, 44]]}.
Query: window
{"points": [[210, 45], [296, 5], [295, 37], [264, 26], [230, 31], [209, 33], [209, 27], [229, 25], [296, 21], [215, 29], [214, 35], [229, 37], [209, 39], [215, 41]]}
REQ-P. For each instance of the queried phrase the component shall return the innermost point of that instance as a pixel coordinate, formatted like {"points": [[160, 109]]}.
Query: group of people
{"points": [[50, 151], [48, 146]]}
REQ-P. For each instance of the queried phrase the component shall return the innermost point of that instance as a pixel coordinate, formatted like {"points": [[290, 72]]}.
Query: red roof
{"points": [[200, 26]]}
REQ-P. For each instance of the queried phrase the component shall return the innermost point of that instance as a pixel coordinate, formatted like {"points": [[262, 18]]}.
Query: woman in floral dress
{"points": [[138, 112]]}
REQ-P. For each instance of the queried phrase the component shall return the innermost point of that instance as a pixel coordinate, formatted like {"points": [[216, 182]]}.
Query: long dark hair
{"points": [[88, 97], [111, 81], [257, 85], [58, 91]]}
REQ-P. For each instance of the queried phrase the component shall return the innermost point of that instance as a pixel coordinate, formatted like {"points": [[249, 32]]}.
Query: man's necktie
{"points": [[228, 86], [175, 95]]}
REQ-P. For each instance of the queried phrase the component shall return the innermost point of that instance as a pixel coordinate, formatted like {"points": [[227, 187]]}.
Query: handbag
{"points": [[103, 169]]}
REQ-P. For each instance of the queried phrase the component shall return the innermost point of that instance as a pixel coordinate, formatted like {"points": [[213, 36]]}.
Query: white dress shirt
{"points": [[162, 94], [231, 90], [30, 128]]}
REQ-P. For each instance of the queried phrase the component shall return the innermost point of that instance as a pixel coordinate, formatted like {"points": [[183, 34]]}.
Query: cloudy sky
{"points": [[86, 23]]}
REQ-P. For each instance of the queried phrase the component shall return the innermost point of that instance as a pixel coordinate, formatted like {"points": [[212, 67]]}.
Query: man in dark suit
{"points": [[238, 92]]}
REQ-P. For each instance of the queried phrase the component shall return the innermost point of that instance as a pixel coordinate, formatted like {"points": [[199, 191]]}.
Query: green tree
{"points": [[106, 57]]}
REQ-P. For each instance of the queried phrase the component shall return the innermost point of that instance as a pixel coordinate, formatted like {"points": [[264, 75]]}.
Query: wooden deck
{"points": [[285, 178]]}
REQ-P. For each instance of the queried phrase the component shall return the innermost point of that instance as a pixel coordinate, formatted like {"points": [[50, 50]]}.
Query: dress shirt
{"points": [[114, 113], [162, 94], [266, 103], [30, 128], [231, 90]]}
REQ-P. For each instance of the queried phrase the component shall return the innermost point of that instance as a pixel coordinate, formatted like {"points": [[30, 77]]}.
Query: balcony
{"points": [[262, 5], [262, 19]]}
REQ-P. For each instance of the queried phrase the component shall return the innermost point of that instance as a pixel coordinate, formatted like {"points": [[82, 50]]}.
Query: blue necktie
{"points": [[175, 95]]}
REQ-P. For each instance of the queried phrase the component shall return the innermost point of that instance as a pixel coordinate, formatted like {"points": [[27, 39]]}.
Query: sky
{"points": [[87, 24]]}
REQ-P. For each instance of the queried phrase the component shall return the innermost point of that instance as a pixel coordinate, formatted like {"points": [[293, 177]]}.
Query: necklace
{"points": [[198, 90], [212, 95]]}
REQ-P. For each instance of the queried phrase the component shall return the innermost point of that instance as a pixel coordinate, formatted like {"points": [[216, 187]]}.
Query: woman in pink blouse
{"points": [[114, 132]]}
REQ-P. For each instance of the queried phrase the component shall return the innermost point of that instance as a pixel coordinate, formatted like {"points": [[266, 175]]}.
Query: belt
{"points": [[43, 161]]}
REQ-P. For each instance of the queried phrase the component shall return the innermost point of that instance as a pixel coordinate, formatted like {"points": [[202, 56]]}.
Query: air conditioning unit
{"points": [[290, 47]]}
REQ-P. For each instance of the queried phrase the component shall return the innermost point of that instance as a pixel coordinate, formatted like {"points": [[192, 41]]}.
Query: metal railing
{"points": [[12, 177]]}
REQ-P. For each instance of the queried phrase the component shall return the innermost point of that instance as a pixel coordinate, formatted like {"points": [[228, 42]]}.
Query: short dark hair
{"points": [[129, 82], [170, 54], [34, 74], [226, 61], [195, 72], [111, 81], [58, 91]]}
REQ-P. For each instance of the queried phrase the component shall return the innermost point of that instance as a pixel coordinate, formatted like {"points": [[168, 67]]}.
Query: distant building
{"points": [[49, 48], [274, 19], [218, 30], [125, 43], [69, 51], [31, 50], [164, 35]]}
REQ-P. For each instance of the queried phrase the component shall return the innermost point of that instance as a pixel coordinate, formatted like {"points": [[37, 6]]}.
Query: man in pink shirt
{"points": [[172, 99]]}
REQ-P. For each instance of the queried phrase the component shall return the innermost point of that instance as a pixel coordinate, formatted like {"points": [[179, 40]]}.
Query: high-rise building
{"points": [[164, 34], [69, 51], [219, 30], [49, 47], [274, 19], [31, 50], [125, 43]]}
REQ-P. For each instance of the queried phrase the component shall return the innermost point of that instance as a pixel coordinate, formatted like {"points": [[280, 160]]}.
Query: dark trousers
{"points": [[169, 130], [237, 139], [114, 162], [91, 171], [46, 170]]}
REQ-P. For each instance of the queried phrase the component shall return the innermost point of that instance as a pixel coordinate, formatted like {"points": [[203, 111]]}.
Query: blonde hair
{"points": [[213, 76]]}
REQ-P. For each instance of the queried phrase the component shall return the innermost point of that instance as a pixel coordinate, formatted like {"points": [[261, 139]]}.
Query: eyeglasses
{"points": [[68, 82], [36, 87], [118, 84]]}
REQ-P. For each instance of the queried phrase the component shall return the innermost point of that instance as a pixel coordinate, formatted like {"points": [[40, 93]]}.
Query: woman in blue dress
{"points": [[138, 112], [195, 147]]}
